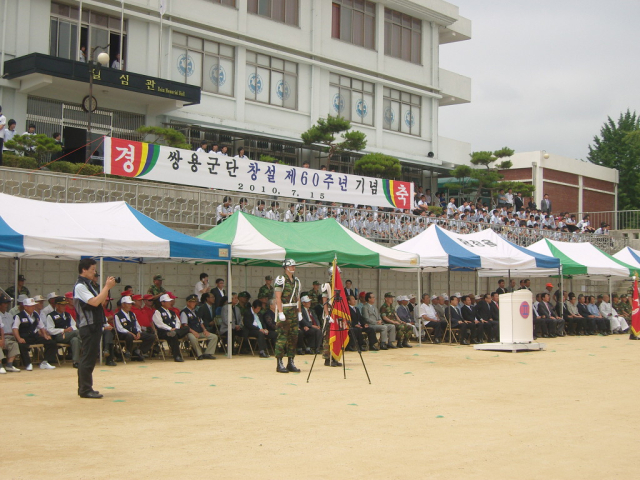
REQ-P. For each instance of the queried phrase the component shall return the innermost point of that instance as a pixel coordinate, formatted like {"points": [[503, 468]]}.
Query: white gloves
{"points": [[281, 317], [299, 316]]}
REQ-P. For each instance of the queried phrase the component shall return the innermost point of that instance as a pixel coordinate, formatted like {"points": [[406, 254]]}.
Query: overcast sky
{"points": [[545, 74]]}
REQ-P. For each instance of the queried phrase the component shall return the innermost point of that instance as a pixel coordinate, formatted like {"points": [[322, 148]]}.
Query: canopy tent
{"points": [[629, 256], [259, 241], [67, 231], [485, 251], [583, 259]]}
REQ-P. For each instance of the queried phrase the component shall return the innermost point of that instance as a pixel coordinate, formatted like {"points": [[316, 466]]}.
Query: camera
{"points": [[117, 279]]}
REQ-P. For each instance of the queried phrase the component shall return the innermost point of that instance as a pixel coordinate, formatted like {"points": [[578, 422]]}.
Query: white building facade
{"points": [[264, 71]]}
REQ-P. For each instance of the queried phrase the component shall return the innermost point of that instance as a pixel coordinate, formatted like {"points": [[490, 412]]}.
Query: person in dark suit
{"points": [[546, 318], [484, 313], [359, 326], [501, 288], [518, 202], [310, 330], [495, 312], [590, 321], [465, 327], [219, 292], [469, 314], [545, 204], [253, 327], [349, 290], [206, 311]]}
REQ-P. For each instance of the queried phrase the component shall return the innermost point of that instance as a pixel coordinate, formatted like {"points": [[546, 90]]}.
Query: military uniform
{"points": [[623, 309], [403, 330], [11, 291], [266, 291], [287, 329]]}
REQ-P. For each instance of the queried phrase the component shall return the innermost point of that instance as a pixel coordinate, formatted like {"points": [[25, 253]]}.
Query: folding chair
{"points": [[203, 345], [159, 342], [121, 345], [65, 351], [255, 339]]}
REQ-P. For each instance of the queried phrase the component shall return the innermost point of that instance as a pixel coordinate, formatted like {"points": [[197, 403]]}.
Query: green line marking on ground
{"points": [[110, 388], [352, 404], [31, 394], [523, 363], [439, 416], [119, 401], [251, 378], [292, 384], [142, 366], [496, 355], [153, 378], [283, 394], [592, 354], [416, 354], [408, 373], [212, 385], [183, 372], [178, 382]]}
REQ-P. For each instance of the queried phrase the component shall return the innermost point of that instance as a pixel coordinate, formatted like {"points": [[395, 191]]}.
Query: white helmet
{"points": [[289, 262], [330, 271]]}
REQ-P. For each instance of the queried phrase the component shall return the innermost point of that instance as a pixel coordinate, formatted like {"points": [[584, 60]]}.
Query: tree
{"points": [[465, 184], [270, 159], [378, 165], [37, 146], [165, 136], [325, 131], [618, 146], [488, 178]]}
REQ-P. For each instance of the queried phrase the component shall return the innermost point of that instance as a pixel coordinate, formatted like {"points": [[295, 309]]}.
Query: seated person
{"points": [[465, 327], [590, 321], [7, 340], [575, 322], [372, 318], [28, 329], [207, 311], [594, 312], [197, 331], [388, 315], [253, 327], [430, 318], [468, 313], [310, 331], [404, 314], [617, 322], [360, 327], [269, 317], [62, 328], [237, 325], [108, 335], [129, 329], [168, 326], [485, 314]]}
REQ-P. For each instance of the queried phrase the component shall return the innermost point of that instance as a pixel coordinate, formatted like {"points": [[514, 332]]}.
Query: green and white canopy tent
{"points": [[262, 242], [583, 259]]}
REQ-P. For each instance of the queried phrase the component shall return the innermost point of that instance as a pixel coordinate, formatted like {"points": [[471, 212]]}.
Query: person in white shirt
{"points": [[7, 340], [224, 150], [204, 148], [290, 215], [202, 286], [51, 298], [82, 54], [9, 133], [430, 318], [129, 329], [224, 210], [168, 326], [241, 155], [618, 323], [62, 328], [258, 210], [28, 330], [451, 207], [242, 206], [273, 213], [116, 62]]}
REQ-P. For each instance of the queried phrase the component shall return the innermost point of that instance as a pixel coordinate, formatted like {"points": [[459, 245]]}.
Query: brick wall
{"points": [[563, 198], [598, 184], [514, 174], [557, 176], [597, 202]]}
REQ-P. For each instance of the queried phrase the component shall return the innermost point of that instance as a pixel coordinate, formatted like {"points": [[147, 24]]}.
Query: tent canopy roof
{"points": [[36, 229], [259, 241], [583, 259], [440, 249]]}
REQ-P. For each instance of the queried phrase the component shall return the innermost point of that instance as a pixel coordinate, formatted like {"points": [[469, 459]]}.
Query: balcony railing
{"points": [[619, 220], [193, 210]]}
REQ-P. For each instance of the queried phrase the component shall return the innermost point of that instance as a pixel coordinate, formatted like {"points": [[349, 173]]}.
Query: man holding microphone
{"points": [[88, 305]]}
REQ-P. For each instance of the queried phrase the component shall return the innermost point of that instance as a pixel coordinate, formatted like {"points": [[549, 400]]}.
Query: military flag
{"points": [[340, 316], [635, 311]]}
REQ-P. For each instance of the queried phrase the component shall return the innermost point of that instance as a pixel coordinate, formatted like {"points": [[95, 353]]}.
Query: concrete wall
{"points": [[44, 276]]}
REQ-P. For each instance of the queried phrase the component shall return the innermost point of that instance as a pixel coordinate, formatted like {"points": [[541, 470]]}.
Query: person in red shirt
{"points": [[147, 311], [173, 303], [69, 308]]}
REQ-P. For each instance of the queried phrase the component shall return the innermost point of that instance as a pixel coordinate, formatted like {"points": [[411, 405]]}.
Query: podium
{"points": [[516, 324]]}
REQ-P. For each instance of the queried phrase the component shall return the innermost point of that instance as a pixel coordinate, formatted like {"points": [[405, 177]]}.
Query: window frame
{"points": [[340, 84], [254, 65], [394, 20], [393, 95], [205, 53], [368, 11], [255, 5]]}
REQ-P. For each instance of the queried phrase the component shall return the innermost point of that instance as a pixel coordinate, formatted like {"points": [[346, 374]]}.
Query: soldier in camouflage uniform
{"points": [[287, 295], [243, 302], [267, 289], [388, 315], [623, 308], [157, 290]]}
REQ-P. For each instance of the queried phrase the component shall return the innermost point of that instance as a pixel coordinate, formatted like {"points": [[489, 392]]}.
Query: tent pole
{"points": [[449, 294], [139, 273], [561, 297], [418, 299], [15, 282], [100, 283], [477, 282], [229, 308]]}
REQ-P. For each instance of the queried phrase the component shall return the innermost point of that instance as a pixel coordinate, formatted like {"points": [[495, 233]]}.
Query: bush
{"points": [[64, 167], [89, 169], [435, 209], [16, 161]]}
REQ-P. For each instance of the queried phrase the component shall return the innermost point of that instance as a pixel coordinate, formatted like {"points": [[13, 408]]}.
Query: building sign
{"points": [[185, 167], [101, 76]]}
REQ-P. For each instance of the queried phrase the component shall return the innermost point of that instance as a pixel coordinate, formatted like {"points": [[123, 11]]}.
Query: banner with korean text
{"points": [[185, 167]]}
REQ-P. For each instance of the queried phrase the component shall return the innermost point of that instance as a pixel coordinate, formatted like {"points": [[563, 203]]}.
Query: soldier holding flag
{"points": [[634, 331]]}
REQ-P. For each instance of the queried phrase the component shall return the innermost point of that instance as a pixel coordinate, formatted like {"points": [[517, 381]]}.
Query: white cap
{"points": [[305, 298], [413, 295], [433, 297], [22, 298], [457, 294], [165, 298], [28, 302], [51, 295], [127, 299], [445, 296], [39, 298]]}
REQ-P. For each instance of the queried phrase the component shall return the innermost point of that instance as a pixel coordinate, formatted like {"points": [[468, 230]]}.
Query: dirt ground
{"points": [[435, 411]]}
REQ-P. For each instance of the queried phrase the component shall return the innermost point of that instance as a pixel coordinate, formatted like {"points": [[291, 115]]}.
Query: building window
{"points": [[271, 80], [401, 111], [207, 64], [97, 32], [351, 99], [229, 3], [402, 36], [354, 21], [285, 11]]}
